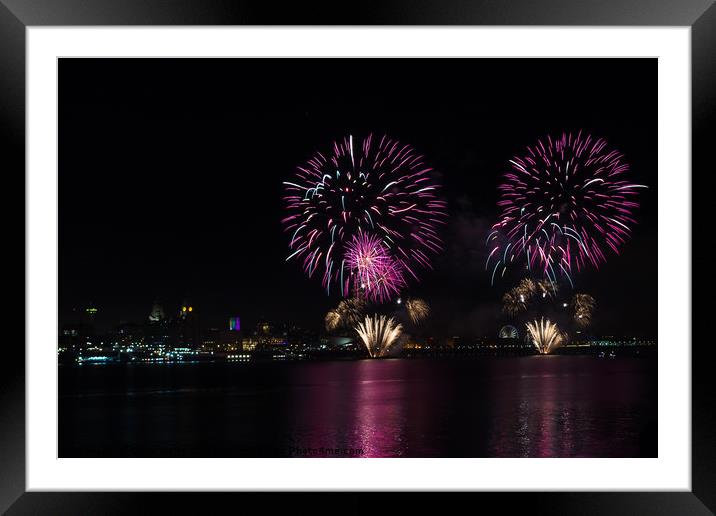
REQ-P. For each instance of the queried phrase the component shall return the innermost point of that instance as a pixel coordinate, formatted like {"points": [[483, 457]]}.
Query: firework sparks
{"points": [[417, 310], [545, 335], [379, 334], [375, 186], [372, 267], [583, 306], [527, 288], [513, 302], [564, 204], [546, 289], [518, 299], [347, 314], [333, 320]]}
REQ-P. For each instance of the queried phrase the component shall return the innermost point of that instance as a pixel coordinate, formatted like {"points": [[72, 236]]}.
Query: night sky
{"points": [[170, 176]]}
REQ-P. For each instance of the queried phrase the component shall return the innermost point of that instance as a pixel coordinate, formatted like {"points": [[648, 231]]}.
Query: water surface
{"points": [[553, 406]]}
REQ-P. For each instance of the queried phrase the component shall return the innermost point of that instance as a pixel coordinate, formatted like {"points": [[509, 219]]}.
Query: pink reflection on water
{"points": [[355, 409], [379, 410], [532, 421]]}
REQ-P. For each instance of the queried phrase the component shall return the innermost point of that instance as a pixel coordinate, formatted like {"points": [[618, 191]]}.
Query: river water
{"points": [[533, 406]]}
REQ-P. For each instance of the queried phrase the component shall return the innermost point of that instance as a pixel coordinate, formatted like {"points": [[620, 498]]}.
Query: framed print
{"points": [[409, 248]]}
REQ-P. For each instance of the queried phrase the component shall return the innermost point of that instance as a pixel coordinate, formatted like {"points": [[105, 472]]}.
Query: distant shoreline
{"points": [[605, 352]]}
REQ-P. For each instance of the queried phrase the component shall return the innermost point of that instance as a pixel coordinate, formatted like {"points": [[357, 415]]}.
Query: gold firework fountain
{"points": [[379, 334], [545, 335]]}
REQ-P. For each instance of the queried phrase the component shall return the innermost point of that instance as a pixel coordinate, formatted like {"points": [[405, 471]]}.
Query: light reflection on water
{"points": [[556, 406]]}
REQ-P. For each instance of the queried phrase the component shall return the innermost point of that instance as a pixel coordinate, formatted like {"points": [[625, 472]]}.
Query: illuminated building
{"points": [[157, 337], [263, 328], [74, 338], [340, 342], [91, 312], [249, 343], [411, 344], [186, 311], [266, 337], [128, 336], [185, 328], [230, 340], [157, 313], [222, 340], [211, 339], [299, 338], [241, 357]]}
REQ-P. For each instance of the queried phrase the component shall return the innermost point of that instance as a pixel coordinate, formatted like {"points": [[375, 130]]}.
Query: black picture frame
{"points": [[17, 15]]}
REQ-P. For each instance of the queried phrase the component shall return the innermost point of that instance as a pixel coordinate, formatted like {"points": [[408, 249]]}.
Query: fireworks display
{"points": [[527, 287], [347, 314], [518, 299], [417, 310], [514, 302], [374, 190], [365, 218], [333, 320], [379, 334], [583, 306], [564, 204], [545, 335], [546, 289]]}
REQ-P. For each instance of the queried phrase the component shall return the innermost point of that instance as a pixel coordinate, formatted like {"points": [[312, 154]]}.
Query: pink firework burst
{"points": [[565, 204], [370, 186], [373, 269]]}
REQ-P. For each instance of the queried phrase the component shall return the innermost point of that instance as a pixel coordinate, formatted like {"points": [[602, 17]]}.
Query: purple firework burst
{"points": [[564, 204], [373, 269], [374, 186]]}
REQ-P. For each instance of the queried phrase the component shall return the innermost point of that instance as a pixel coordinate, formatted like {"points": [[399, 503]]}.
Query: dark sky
{"points": [[170, 175]]}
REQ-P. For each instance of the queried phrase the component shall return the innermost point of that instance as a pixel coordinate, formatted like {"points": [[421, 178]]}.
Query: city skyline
{"points": [[168, 337], [86, 317]]}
